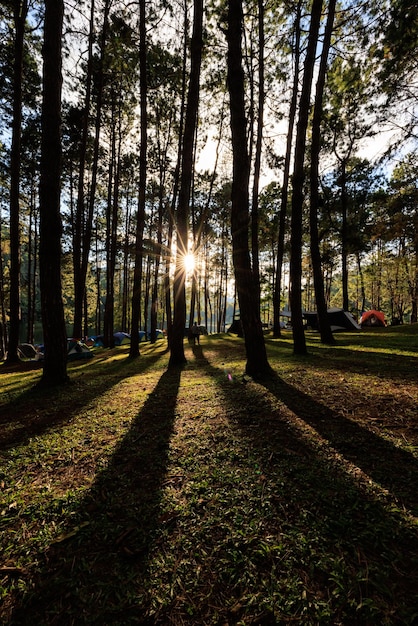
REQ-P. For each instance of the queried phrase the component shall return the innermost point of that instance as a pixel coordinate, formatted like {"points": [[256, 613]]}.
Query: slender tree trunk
{"points": [[177, 356], [299, 342], [113, 222], [20, 10], [108, 316], [140, 221], [3, 324], [166, 212], [98, 325], [286, 175], [362, 289], [146, 291], [155, 280], [258, 148], [83, 222], [257, 364], [126, 264], [344, 234], [112, 226], [55, 340], [414, 291], [31, 265], [167, 281], [176, 183], [324, 325]]}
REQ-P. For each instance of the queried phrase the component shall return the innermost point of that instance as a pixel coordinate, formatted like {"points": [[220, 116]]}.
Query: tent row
{"points": [[339, 320], [122, 339], [81, 349]]}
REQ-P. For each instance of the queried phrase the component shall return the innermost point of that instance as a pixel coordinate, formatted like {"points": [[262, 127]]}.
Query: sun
{"points": [[189, 262]]}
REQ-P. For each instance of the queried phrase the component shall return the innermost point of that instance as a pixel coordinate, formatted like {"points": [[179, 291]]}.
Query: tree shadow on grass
{"points": [[38, 409], [332, 550], [93, 572], [391, 467]]}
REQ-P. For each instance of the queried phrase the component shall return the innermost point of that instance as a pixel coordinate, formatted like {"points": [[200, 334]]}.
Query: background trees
{"points": [[120, 203]]}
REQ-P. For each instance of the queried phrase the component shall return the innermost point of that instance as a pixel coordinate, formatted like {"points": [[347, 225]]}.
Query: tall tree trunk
{"points": [[299, 342], [177, 356], [414, 290], [344, 234], [108, 330], [126, 266], [361, 308], [176, 183], [324, 325], [98, 320], [146, 290], [257, 364], [83, 222], [286, 175], [112, 228], [32, 254], [140, 220], [3, 324], [55, 339], [20, 10], [258, 148], [154, 295]]}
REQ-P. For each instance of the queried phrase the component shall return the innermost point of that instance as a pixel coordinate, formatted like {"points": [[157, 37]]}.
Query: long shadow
{"points": [[93, 574], [346, 546], [392, 467], [389, 465], [392, 366], [50, 407]]}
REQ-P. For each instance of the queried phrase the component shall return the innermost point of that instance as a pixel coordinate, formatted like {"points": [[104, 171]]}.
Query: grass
{"points": [[141, 495]]}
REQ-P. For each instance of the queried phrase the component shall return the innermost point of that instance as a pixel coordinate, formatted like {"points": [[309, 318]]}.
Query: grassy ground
{"points": [[139, 495]]}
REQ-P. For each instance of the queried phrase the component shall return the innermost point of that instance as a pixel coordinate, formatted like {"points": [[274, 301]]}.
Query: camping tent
{"points": [[75, 350], [78, 350], [339, 320], [122, 339], [27, 351], [373, 318]]}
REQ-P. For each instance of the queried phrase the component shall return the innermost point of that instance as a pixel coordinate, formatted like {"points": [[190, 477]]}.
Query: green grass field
{"points": [[141, 495]]}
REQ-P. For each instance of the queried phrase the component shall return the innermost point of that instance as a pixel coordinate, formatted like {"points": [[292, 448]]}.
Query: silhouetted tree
{"points": [[53, 323]]}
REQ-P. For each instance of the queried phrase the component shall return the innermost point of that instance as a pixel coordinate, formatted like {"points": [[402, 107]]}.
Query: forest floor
{"points": [[142, 495]]}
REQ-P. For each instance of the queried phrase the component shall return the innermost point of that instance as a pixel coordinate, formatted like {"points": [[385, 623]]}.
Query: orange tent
{"points": [[373, 318]]}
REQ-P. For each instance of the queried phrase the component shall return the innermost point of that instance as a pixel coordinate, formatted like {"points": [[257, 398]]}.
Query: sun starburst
{"points": [[189, 263]]}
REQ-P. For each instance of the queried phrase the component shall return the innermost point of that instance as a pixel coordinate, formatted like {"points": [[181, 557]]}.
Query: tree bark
{"points": [[20, 10], [112, 224], [257, 364], [299, 342], [286, 175], [258, 149], [3, 324], [53, 322], [344, 234], [83, 222], [324, 325], [177, 356], [157, 261], [140, 222]]}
